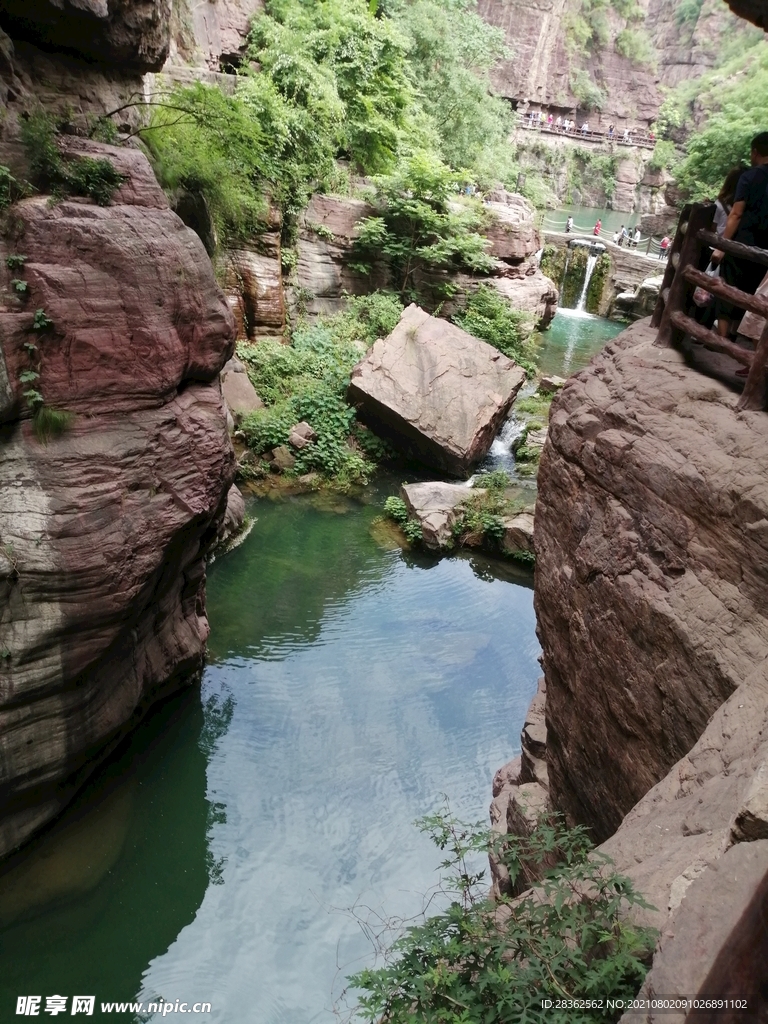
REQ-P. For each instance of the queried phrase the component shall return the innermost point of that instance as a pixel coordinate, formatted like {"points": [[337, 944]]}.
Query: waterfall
{"points": [[565, 269], [581, 304]]}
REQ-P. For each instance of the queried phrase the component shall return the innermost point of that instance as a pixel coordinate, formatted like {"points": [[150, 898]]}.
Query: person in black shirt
{"points": [[747, 223]]}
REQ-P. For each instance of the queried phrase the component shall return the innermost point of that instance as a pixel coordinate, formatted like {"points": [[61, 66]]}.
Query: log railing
{"points": [[682, 275]]}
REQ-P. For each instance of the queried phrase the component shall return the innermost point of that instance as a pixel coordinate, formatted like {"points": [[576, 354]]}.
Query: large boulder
{"points": [[434, 505], [511, 228], [437, 392], [104, 530]]}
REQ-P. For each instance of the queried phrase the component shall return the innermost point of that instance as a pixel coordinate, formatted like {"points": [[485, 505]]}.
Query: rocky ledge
{"points": [[104, 529]]}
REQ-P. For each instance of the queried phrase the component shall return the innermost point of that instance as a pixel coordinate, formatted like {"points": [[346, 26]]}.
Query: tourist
{"points": [[626, 135], [747, 223], [597, 227], [611, 129], [549, 121], [622, 234], [558, 123], [724, 200], [569, 225], [616, 237], [584, 128], [663, 246], [636, 238]]}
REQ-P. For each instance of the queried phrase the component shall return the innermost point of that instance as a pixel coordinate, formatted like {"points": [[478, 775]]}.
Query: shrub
{"points": [[308, 380], [466, 964], [482, 514], [416, 227], [489, 316], [81, 176], [50, 423], [635, 44], [10, 188]]}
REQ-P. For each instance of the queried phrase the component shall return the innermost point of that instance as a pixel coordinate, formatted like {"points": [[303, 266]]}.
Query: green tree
{"points": [[419, 224]]}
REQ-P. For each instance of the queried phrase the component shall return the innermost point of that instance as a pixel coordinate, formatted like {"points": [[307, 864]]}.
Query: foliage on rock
{"points": [[490, 317], [473, 962], [481, 515], [50, 172], [396, 510], [735, 95], [308, 379], [371, 83]]}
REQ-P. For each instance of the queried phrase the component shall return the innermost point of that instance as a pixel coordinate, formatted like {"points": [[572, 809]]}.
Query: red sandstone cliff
{"points": [[545, 61], [104, 530]]}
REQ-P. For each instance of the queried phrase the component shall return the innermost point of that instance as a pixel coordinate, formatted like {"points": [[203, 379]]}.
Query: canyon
{"points": [[651, 523]]}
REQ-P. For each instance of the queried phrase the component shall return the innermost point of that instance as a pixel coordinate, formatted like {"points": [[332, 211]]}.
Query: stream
{"points": [[218, 854]]}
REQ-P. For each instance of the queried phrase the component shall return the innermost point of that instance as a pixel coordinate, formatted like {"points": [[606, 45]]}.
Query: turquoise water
{"points": [[349, 686], [572, 339], [585, 218]]}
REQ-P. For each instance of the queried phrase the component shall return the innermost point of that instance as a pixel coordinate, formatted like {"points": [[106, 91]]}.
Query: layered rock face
{"points": [[546, 65], [651, 542], [103, 530]]}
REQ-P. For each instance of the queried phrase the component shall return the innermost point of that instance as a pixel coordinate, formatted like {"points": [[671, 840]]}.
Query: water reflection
{"points": [[350, 685], [84, 908]]}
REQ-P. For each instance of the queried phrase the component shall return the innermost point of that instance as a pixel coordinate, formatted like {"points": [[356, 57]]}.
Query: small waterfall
{"points": [[581, 304], [565, 269]]}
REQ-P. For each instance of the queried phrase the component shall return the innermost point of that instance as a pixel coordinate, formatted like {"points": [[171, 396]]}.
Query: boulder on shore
{"points": [[437, 392], [434, 506]]}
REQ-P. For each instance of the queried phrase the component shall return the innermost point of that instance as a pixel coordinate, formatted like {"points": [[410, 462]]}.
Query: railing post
{"points": [[686, 251], [754, 394]]}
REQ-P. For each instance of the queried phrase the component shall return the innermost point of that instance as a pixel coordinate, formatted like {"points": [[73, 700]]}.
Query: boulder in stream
{"points": [[438, 393], [433, 505]]}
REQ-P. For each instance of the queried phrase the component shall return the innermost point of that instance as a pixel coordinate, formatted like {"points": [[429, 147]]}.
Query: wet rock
{"points": [[435, 391], [550, 384], [518, 533], [281, 458], [434, 506], [239, 394], [301, 435], [234, 517]]}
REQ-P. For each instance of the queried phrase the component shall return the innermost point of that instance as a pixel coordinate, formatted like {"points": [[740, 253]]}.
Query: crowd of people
{"points": [[741, 215], [568, 126]]}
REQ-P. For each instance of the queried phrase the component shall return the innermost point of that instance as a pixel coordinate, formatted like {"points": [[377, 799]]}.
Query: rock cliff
{"points": [[651, 538], [547, 64], [103, 530]]}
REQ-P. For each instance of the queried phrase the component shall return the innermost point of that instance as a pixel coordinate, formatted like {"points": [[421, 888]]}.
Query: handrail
{"points": [[671, 313], [591, 136]]}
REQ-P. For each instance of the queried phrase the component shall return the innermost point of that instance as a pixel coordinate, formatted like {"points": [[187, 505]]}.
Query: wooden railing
{"points": [[618, 137], [683, 274]]}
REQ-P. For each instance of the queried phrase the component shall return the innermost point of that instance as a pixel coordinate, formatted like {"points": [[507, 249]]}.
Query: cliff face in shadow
{"points": [[652, 606], [104, 530]]}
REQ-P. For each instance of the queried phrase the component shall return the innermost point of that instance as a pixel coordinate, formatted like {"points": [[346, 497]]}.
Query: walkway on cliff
{"points": [[638, 256], [575, 134]]}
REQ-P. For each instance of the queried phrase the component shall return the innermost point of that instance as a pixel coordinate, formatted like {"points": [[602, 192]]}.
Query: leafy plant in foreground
{"points": [[476, 962]]}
